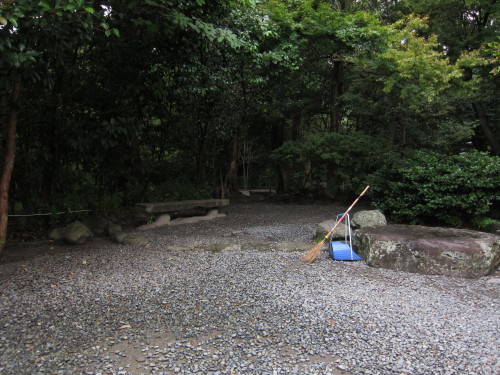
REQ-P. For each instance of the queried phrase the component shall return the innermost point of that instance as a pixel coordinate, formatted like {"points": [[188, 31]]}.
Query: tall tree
{"points": [[29, 33]]}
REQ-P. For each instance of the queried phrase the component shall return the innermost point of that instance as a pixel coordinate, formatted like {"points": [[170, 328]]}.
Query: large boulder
{"points": [[426, 250], [76, 233], [368, 218]]}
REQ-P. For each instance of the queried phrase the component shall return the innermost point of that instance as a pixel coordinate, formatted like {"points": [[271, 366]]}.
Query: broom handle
{"points": [[345, 213]]}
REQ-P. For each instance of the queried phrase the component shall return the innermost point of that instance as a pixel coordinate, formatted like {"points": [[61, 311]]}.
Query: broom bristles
{"points": [[313, 254]]}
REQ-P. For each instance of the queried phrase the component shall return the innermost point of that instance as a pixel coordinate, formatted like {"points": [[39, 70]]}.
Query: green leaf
{"points": [[44, 5], [90, 10], [13, 21], [116, 32]]}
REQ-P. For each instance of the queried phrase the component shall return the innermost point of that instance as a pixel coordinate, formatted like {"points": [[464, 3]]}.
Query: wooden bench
{"points": [[179, 206], [188, 211]]}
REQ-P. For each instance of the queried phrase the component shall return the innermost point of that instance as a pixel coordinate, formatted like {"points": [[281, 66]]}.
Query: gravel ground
{"points": [[103, 308]]}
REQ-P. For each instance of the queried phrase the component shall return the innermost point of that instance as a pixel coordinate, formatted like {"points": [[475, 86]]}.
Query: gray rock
{"points": [[116, 233], [426, 250], [370, 218], [76, 233], [324, 227]]}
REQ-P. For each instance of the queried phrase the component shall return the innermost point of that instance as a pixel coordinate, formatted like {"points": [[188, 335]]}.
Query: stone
{"points": [[324, 227], [293, 246], [76, 233], [97, 225], [368, 218], [56, 234], [134, 240], [428, 250], [116, 233]]}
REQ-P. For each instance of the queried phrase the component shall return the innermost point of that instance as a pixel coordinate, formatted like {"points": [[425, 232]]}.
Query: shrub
{"points": [[349, 159], [432, 188]]}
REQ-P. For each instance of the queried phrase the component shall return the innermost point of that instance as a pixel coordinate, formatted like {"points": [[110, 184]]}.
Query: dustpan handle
{"points": [[345, 213]]}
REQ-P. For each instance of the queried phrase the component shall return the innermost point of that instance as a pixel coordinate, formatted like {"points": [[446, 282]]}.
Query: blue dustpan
{"points": [[341, 251]]}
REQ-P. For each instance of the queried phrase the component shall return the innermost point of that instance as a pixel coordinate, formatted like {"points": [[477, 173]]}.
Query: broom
{"points": [[313, 254]]}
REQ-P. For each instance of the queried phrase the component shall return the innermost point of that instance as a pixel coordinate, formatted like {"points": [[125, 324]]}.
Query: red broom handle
{"points": [[345, 213]]}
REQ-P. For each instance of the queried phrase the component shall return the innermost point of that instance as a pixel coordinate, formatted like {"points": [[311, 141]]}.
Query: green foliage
{"points": [[433, 188], [141, 100], [417, 71], [484, 222], [349, 157], [176, 190]]}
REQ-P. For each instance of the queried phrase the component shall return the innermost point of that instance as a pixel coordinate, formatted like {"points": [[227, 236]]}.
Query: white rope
{"points": [[51, 213]]}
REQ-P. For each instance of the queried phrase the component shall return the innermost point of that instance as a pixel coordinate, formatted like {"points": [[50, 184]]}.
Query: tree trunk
{"points": [[8, 164], [391, 131], [277, 139], [52, 166], [337, 90], [231, 183], [297, 123], [485, 127]]}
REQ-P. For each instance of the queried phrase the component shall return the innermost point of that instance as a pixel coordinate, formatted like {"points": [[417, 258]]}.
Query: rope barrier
{"points": [[51, 213]]}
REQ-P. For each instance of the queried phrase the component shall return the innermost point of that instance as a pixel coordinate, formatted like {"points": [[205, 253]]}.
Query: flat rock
{"points": [[428, 250], [135, 240], [293, 246]]}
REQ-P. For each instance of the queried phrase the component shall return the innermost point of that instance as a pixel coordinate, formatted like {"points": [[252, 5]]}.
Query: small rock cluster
{"points": [[361, 219], [79, 232]]}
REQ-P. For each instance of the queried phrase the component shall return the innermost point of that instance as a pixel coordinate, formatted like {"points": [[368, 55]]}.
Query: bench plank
{"points": [[176, 206]]}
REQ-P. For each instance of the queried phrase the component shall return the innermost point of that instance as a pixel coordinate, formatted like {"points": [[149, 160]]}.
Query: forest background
{"points": [[108, 103]]}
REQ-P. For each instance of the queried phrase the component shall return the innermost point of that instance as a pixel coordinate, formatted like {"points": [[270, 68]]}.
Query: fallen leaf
{"points": [[84, 261], [125, 326]]}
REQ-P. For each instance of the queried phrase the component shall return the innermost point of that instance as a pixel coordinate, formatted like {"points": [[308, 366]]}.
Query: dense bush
{"points": [[341, 162], [432, 188]]}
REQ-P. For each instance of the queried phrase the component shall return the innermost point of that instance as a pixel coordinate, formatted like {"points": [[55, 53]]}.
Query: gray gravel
{"points": [[104, 308]]}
